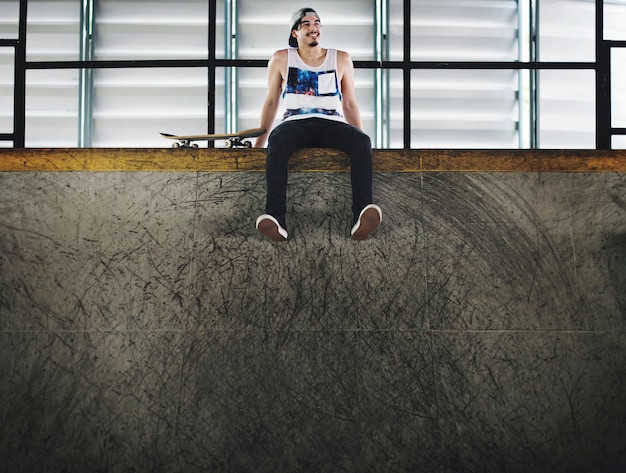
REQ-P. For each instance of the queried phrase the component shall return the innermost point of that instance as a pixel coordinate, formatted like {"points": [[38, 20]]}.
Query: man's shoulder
{"points": [[278, 59], [280, 54], [343, 56]]}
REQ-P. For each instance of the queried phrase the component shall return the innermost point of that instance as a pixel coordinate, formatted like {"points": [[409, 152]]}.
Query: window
{"points": [[131, 106], [566, 109], [8, 36], [615, 18], [9, 19], [6, 91], [52, 95]]}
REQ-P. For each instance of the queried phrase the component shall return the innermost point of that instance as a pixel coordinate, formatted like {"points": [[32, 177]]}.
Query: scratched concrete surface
{"points": [[146, 326]]}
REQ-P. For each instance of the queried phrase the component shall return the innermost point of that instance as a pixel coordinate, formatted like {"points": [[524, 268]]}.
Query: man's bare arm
{"points": [[275, 78], [350, 106]]}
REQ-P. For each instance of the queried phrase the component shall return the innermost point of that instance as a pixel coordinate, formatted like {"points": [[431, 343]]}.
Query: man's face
{"points": [[309, 31]]}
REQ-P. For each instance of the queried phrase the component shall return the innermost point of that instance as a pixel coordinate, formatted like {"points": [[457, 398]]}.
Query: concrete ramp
{"points": [[146, 326]]}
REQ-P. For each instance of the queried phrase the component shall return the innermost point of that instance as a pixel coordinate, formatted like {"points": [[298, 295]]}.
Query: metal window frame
{"points": [[601, 66], [19, 80], [85, 76], [231, 74], [528, 36], [611, 131], [381, 76]]}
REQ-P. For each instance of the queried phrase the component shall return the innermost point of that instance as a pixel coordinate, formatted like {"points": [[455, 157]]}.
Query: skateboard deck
{"points": [[232, 140]]}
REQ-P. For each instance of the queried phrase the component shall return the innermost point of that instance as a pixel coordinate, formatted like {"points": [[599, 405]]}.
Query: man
{"points": [[317, 87]]}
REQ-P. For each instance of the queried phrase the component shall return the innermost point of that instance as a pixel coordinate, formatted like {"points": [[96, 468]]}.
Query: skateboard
{"points": [[233, 140]]}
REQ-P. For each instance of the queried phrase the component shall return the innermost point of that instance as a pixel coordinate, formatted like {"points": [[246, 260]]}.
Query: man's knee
{"points": [[360, 145], [358, 138], [364, 140]]}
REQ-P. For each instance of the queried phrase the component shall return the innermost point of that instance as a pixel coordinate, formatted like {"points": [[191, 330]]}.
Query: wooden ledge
{"points": [[309, 160]]}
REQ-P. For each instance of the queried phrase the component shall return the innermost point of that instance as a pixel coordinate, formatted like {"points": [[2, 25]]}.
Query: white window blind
{"points": [[464, 109], [52, 95], [9, 19], [131, 106], [6, 94], [155, 29], [51, 108], [8, 31], [566, 112], [459, 108], [465, 30], [614, 29], [618, 87], [614, 18]]}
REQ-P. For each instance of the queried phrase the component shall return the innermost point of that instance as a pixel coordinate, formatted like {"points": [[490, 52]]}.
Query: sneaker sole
{"points": [[370, 220], [269, 229]]}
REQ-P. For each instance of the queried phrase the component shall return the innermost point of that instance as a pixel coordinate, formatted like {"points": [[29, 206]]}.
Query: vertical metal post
{"points": [[407, 74], [381, 76], [603, 86], [534, 74], [85, 77], [528, 102], [19, 84], [231, 79], [211, 68], [524, 44]]}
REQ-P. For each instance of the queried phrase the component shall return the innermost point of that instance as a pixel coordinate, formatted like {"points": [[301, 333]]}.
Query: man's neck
{"points": [[312, 56]]}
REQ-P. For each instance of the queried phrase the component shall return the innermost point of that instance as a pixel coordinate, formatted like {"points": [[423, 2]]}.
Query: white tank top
{"points": [[312, 91]]}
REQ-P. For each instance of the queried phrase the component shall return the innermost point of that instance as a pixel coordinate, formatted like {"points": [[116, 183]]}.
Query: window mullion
{"points": [[231, 80], [381, 50], [85, 77]]}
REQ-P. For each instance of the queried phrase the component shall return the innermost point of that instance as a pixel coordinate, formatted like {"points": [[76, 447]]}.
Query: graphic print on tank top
{"points": [[312, 91]]}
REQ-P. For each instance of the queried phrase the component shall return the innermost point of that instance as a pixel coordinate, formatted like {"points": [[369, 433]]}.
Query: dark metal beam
{"points": [[603, 83], [19, 85]]}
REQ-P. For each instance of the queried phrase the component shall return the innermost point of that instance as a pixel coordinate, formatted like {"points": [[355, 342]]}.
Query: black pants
{"points": [[292, 135]]}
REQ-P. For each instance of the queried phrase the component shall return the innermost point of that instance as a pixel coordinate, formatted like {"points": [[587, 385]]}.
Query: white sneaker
{"points": [[268, 226], [369, 220]]}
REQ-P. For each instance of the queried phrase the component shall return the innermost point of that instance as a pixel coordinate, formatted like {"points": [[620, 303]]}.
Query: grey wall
{"points": [[146, 326]]}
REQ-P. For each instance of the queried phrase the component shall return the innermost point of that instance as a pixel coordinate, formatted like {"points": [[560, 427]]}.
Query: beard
{"points": [[314, 42]]}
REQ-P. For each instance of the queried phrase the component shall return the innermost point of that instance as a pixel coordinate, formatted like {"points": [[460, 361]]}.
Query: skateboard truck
{"points": [[184, 144], [237, 143]]}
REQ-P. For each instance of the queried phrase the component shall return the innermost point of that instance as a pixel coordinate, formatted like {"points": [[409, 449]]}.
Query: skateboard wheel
{"points": [[195, 145], [176, 145], [247, 144], [228, 144]]}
